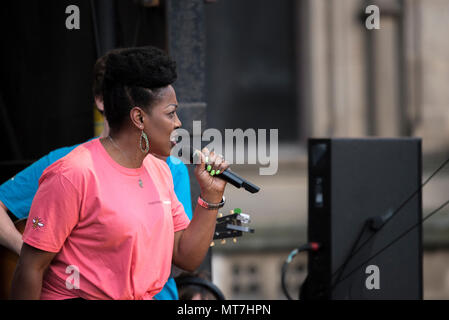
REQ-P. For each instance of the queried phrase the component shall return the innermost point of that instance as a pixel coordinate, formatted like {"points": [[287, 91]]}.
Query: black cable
{"points": [[394, 241], [347, 260], [354, 251], [95, 27], [311, 246], [137, 27], [183, 281]]}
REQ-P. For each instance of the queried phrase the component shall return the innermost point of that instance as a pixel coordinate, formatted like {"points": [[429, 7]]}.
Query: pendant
{"points": [[140, 183]]}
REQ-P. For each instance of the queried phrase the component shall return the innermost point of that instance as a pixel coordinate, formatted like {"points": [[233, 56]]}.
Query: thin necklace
{"points": [[116, 145]]}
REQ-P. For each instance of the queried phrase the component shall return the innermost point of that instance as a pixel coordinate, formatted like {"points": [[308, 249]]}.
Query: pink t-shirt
{"points": [[112, 232]]}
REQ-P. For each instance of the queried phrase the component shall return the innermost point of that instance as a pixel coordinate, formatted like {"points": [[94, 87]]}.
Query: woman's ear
{"points": [[137, 117], [99, 104]]}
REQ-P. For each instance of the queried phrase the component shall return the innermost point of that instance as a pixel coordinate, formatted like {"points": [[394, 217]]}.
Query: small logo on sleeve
{"points": [[37, 223]]}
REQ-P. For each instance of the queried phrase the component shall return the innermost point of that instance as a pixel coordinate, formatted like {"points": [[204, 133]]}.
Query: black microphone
{"points": [[229, 176], [237, 181]]}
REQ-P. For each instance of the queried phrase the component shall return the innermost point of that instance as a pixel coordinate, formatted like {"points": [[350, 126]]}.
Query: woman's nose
{"points": [[178, 122]]}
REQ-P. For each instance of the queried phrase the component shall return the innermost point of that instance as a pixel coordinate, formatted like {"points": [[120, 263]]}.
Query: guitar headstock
{"points": [[232, 226]]}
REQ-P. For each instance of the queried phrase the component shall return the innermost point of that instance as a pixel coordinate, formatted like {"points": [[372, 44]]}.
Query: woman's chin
{"points": [[172, 145], [161, 153]]}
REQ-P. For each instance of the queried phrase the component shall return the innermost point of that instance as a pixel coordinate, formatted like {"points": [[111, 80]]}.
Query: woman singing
{"points": [[105, 222]]}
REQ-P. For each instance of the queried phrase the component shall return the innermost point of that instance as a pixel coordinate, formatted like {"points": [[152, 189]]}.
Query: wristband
{"points": [[211, 206]]}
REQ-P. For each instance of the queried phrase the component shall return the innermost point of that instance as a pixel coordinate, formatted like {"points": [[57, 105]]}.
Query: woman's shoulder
{"points": [[157, 166], [154, 162], [76, 163]]}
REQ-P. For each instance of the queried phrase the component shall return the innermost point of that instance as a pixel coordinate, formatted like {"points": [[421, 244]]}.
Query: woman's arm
{"points": [[191, 244], [27, 280], [9, 236]]}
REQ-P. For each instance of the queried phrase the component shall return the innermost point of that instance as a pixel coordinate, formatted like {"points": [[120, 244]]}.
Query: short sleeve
{"points": [[18, 192], [54, 213]]}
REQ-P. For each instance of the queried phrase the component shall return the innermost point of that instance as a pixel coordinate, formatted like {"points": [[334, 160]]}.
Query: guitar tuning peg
{"points": [[234, 240], [223, 241], [212, 244]]}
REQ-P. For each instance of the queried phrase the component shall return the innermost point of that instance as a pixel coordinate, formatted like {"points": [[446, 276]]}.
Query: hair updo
{"points": [[134, 77]]}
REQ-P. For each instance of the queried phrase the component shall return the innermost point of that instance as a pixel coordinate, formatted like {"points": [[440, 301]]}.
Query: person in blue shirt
{"points": [[16, 194]]}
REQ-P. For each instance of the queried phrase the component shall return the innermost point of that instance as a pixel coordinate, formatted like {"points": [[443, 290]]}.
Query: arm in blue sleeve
{"points": [[181, 183], [17, 193]]}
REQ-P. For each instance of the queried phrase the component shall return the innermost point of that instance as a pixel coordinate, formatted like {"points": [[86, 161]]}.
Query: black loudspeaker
{"points": [[357, 206]]}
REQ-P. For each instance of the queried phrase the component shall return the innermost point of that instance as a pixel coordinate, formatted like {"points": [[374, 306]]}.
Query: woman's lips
{"points": [[173, 138]]}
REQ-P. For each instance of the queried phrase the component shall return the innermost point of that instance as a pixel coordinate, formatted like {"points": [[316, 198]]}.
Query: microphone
{"points": [[233, 178], [237, 181]]}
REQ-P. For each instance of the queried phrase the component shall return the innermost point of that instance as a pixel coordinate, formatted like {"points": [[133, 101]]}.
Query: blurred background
{"points": [[309, 68]]}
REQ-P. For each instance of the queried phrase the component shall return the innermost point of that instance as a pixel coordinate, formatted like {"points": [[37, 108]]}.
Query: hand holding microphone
{"points": [[216, 166], [210, 165]]}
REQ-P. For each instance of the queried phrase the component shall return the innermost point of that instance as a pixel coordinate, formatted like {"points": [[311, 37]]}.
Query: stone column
{"points": [[186, 44]]}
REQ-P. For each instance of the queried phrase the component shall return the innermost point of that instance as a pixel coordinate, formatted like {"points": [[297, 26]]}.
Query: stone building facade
{"points": [[348, 82]]}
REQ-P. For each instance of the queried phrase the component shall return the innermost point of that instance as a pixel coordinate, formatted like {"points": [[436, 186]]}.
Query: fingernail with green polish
{"points": [[217, 172], [207, 159], [212, 172], [209, 167]]}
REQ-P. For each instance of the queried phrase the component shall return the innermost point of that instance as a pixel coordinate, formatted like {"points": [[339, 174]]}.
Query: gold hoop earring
{"points": [[144, 136]]}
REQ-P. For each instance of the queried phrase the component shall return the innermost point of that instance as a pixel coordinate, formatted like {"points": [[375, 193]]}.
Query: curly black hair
{"points": [[98, 74], [134, 77]]}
